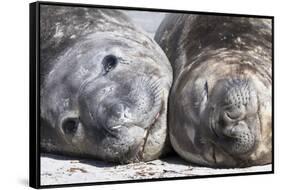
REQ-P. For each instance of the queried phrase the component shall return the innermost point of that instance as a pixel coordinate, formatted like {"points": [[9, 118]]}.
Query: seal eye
{"points": [[109, 63], [70, 125]]}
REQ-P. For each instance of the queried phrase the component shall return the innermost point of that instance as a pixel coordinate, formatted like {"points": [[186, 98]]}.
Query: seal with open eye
{"points": [[104, 86]]}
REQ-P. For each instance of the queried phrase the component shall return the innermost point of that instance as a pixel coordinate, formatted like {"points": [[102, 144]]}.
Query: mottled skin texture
{"points": [[104, 86], [220, 101]]}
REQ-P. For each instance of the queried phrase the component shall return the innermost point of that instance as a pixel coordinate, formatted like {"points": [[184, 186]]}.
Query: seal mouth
{"points": [[215, 148], [227, 145]]}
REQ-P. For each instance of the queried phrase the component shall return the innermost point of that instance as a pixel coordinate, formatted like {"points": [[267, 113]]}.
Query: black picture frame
{"points": [[34, 93]]}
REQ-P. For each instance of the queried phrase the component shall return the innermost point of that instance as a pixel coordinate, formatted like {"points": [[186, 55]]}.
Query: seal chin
{"points": [[128, 140], [220, 158], [139, 154], [148, 129]]}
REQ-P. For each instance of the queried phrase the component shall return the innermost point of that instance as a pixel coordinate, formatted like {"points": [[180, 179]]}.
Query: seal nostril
{"points": [[235, 113], [117, 110], [232, 116]]}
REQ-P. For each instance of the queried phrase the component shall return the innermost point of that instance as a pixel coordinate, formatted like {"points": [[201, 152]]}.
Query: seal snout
{"points": [[115, 115], [236, 125], [139, 106]]}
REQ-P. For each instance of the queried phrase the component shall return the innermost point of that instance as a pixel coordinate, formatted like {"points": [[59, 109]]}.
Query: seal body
{"points": [[104, 86], [220, 101]]}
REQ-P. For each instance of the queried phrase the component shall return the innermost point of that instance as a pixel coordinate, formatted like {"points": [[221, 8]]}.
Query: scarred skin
{"points": [[104, 86], [220, 101]]}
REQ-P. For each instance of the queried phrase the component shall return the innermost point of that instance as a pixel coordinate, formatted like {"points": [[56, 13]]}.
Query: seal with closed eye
{"points": [[220, 101]]}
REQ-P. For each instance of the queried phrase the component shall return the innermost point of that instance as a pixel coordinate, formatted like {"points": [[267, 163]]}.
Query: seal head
{"points": [[104, 95], [220, 101]]}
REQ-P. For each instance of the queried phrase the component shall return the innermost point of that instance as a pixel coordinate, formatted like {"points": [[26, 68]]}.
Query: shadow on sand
{"points": [[171, 159]]}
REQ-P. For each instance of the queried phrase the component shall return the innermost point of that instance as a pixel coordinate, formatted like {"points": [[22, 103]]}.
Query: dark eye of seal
{"points": [[109, 62], [70, 126]]}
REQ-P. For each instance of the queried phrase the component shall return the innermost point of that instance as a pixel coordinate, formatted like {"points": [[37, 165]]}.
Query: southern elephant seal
{"points": [[104, 86], [220, 101]]}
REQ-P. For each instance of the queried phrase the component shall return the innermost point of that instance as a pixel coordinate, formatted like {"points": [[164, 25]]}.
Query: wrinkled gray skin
{"points": [[220, 101], [104, 86]]}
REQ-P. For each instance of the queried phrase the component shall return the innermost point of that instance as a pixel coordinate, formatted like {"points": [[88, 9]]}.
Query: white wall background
{"points": [[14, 77]]}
